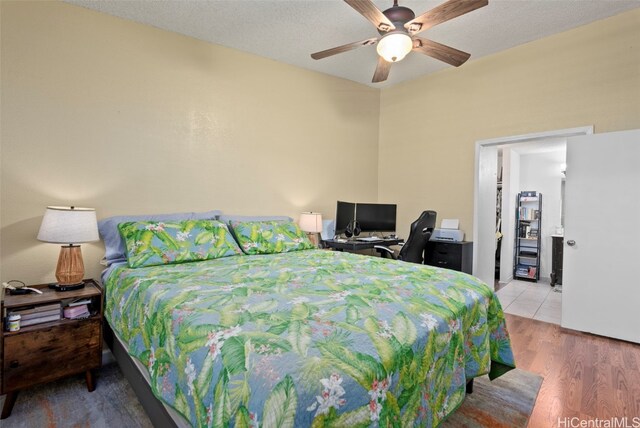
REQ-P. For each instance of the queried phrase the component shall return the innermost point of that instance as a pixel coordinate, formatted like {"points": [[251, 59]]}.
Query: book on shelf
{"points": [[75, 312], [528, 254], [79, 302], [39, 314], [522, 230], [36, 309], [39, 320], [528, 214]]}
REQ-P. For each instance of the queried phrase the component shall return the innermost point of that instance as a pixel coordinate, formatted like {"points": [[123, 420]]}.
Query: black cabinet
{"points": [[557, 244], [450, 255]]}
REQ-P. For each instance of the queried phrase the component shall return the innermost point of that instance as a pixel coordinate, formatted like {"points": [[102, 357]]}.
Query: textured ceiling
{"points": [[290, 30]]}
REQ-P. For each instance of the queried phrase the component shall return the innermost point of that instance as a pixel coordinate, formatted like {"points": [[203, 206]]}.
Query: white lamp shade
{"points": [[69, 225], [394, 46], [311, 222]]}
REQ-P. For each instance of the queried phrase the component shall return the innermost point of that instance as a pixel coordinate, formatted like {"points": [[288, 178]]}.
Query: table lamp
{"points": [[70, 226], [311, 223]]}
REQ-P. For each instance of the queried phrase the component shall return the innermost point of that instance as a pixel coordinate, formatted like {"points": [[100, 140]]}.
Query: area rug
{"points": [[505, 402], [67, 403]]}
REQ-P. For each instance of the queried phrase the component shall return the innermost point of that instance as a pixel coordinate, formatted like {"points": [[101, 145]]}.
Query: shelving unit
{"points": [[526, 263]]}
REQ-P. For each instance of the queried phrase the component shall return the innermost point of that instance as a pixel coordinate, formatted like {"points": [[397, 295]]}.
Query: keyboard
{"points": [[369, 239]]}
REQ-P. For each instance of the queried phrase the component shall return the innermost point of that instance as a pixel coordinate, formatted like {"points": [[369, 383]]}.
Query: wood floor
{"points": [[585, 376]]}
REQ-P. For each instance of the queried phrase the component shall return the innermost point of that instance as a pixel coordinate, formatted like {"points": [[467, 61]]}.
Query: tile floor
{"points": [[536, 300]]}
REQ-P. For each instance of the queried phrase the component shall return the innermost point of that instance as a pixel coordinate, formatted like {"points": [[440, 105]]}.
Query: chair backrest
{"points": [[419, 234]]}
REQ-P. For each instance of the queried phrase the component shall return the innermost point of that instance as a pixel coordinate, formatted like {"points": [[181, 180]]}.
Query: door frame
{"points": [[483, 248]]}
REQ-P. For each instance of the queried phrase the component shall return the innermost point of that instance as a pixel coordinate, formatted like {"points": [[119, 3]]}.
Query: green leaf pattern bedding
{"points": [[309, 338], [152, 243]]}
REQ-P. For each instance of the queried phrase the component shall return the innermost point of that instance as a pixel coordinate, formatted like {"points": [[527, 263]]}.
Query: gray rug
{"points": [[67, 403], [505, 402]]}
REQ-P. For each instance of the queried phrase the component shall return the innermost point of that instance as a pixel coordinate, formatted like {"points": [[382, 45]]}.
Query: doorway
{"points": [[535, 167], [538, 167], [485, 194]]}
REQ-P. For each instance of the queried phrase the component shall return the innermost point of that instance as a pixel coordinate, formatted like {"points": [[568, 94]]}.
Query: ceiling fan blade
{"points": [[439, 51], [343, 48], [369, 10], [382, 71], [439, 14]]}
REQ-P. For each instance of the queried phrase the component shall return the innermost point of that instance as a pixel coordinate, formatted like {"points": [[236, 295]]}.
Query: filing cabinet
{"points": [[450, 255]]}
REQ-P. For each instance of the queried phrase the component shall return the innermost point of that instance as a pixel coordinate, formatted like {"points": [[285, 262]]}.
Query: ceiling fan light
{"points": [[393, 47]]}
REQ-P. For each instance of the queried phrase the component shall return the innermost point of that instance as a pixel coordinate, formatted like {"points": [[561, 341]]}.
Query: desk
{"points": [[355, 245]]}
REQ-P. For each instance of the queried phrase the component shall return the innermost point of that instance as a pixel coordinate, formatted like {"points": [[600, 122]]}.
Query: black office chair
{"points": [[415, 245]]}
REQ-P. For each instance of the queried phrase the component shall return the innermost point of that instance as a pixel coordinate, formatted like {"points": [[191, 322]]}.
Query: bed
{"points": [[306, 338]]}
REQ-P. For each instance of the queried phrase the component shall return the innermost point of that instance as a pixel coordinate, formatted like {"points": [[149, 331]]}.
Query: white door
{"points": [[601, 276], [484, 252]]}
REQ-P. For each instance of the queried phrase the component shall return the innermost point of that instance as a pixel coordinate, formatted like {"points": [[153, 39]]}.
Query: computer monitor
{"points": [[376, 217], [345, 214]]}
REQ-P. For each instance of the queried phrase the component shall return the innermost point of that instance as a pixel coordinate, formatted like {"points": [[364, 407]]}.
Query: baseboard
{"points": [[509, 279]]}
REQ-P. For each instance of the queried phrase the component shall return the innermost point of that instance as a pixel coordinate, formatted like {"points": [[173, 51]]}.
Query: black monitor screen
{"points": [[376, 217], [345, 214]]}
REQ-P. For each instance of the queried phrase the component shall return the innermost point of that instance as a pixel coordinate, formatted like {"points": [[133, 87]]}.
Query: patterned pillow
{"points": [[152, 243], [268, 237]]}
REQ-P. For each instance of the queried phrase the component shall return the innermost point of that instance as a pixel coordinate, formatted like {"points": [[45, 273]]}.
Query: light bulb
{"points": [[394, 46]]}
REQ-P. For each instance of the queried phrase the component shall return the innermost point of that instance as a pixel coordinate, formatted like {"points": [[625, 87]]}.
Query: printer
{"points": [[448, 231]]}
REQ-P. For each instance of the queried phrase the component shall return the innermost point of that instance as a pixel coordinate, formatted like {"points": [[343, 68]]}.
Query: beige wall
{"points": [[428, 127], [102, 112]]}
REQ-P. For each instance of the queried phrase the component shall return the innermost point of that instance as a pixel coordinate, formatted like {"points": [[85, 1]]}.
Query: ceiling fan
{"points": [[398, 27]]}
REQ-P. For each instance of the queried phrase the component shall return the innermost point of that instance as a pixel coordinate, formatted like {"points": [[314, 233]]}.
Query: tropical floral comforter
{"points": [[309, 338]]}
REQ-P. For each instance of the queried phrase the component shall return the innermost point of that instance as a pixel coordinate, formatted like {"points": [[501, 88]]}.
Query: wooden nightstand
{"points": [[45, 352]]}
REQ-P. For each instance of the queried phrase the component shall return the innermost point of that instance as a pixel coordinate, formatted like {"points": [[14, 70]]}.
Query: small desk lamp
{"points": [[69, 225], [312, 224]]}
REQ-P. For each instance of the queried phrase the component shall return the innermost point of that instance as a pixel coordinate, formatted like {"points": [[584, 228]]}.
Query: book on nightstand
{"points": [[38, 314], [39, 320], [74, 312]]}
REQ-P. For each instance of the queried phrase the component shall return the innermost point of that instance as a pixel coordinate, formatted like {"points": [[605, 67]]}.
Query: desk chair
{"points": [[419, 234]]}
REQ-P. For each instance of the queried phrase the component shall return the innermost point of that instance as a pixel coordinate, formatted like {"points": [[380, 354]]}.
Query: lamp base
{"points": [[70, 269], [70, 287], [313, 237]]}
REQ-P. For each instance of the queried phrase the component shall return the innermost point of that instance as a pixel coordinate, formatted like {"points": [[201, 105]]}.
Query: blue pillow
{"points": [[115, 248], [244, 218]]}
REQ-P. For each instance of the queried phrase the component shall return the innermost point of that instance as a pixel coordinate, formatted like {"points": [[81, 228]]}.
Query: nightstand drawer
{"points": [[50, 353]]}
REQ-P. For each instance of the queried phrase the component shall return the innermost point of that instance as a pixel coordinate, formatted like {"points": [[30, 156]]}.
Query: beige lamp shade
{"points": [[311, 222], [69, 225]]}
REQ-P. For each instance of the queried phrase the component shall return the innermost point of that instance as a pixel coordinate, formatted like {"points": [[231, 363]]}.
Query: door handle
{"points": [[571, 242]]}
